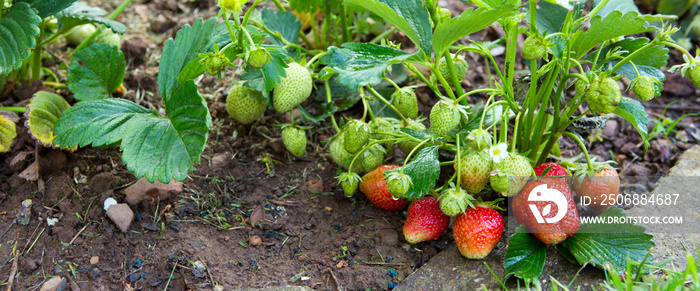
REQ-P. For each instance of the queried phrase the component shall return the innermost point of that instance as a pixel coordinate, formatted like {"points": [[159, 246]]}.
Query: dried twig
{"points": [[77, 234], [335, 279], [13, 271], [8, 228]]}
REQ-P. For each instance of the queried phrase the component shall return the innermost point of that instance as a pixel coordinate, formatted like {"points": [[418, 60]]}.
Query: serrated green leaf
{"points": [[623, 6], [96, 71], [424, 170], [410, 16], [166, 148], [526, 255], [633, 111], [470, 21], [360, 64], [492, 3], [192, 70], [96, 122], [614, 25], [8, 132], [80, 13], [47, 8], [157, 147], [647, 62], [609, 243], [550, 17], [177, 53], [18, 29], [283, 22], [44, 110]]}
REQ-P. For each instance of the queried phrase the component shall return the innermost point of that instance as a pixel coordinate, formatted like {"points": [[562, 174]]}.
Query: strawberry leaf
{"points": [[80, 13], [526, 255], [8, 132], [609, 243], [613, 25], [360, 64], [633, 111], [410, 16], [647, 62], [283, 22], [157, 147], [44, 109], [177, 53], [469, 22], [18, 29], [96, 71], [424, 170], [47, 8]]}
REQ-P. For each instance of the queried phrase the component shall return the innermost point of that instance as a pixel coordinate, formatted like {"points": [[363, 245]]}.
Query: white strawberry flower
{"points": [[499, 152]]}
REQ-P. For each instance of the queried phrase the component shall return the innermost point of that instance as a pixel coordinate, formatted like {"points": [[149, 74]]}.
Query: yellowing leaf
{"points": [[8, 132], [44, 109]]}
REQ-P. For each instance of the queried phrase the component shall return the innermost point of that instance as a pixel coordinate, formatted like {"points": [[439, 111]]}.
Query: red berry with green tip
{"points": [[553, 170], [549, 230], [477, 231], [425, 221], [600, 185], [374, 186]]}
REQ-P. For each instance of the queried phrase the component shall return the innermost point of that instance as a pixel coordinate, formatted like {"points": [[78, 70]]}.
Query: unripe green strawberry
{"points": [[581, 86], [479, 140], [340, 156], [461, 67], [349, 182], [475, 170], [294, 139], [371, 158], [444, 116], [534, 48], [645, 88], [406, 102], [408, 145], [214, 62], [244, 104], [293, 89], [694, 75], [511, 174], [603, 95], [454, 201], [258, 58], [445, 14], [398, 183], [356, 136]]}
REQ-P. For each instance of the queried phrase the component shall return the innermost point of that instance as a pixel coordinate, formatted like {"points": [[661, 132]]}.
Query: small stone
{"points": [[226, 238], [94, 273], [198, 269], [94, 260], [55, 284], [25, 212], [122, 215], [254, 240], [134, 277], [389, 237], [144, 190], [612, 128]]}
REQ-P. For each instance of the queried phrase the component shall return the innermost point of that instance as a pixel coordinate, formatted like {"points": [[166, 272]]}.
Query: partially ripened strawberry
{"points": [[374, 187], [510, 174], [547, 224], [477, 231], [553, 169], [599, 185], [475, 170], [244, 104], [356, 135], [406, 102], [444, 116], [425, 220], [294, 139], [293, 89]]}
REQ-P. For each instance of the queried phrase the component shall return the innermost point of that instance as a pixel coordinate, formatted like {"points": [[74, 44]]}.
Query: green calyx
{"points": [[479, 140], [455, 201]]}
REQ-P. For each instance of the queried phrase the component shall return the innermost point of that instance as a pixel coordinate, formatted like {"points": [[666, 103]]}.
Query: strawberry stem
{"points": [[386, 102], [583, 147], [459, 163]]}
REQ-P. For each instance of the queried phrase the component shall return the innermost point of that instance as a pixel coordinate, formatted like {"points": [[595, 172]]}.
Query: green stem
{"points": [[459, 163], [483, 112], [55, 85], [421, 77], [533, 19], [442, 81], [230, 30], [246, 17], [14, 109], [515, 132], [447, 184], [37, 52], [676, 46], [583, 147], [245, 32], [382, 35], [511, 49], [344, 22], [597, 9], [315, 58], [392, 83], [97, 32], [369, 144], [378, 96], [279, 5], [634, 54], [408, 157], [328, 100], [464, 95], [453, 74]]}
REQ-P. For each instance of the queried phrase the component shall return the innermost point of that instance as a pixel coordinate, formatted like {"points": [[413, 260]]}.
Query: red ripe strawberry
{"points": [[374, 187], [546, 222], [425, 220], [604, 182], [555, 170], [477, 231]]}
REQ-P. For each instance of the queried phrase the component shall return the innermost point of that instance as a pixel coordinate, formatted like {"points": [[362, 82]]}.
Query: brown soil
{"points": [[309, 234]]}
